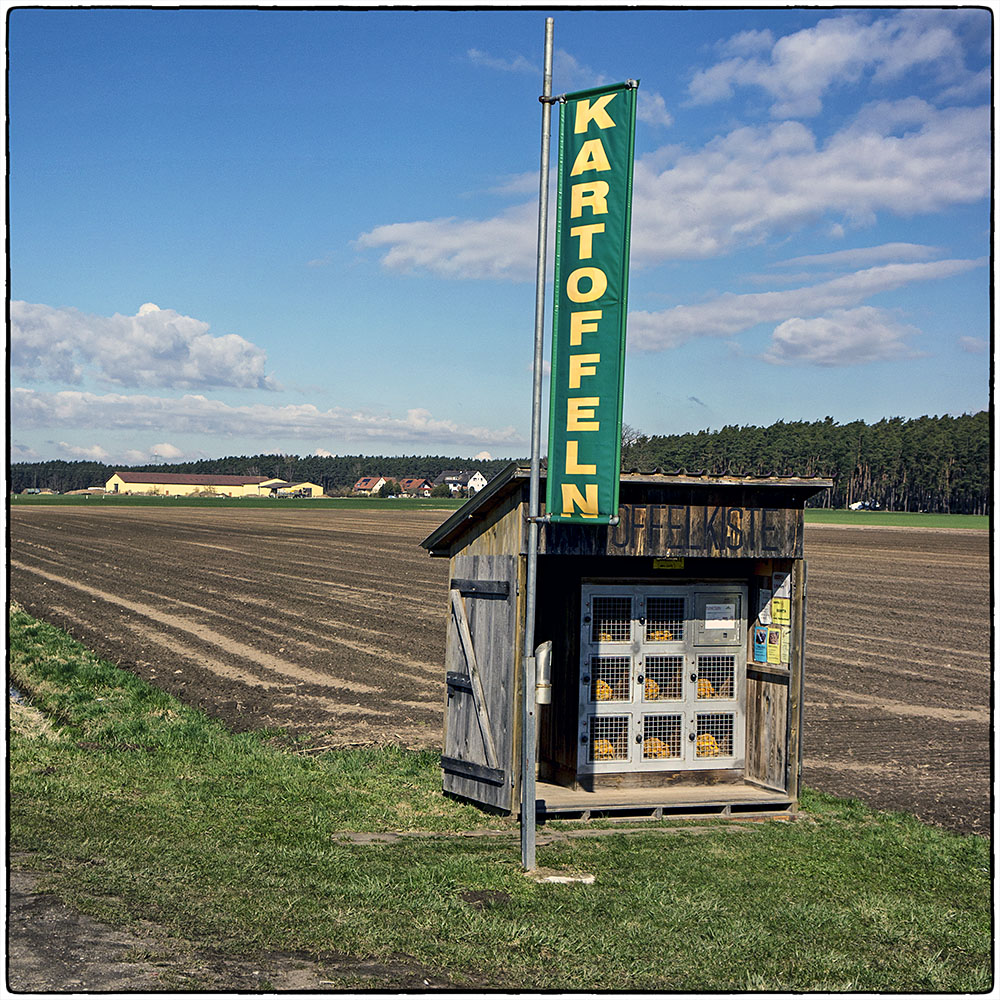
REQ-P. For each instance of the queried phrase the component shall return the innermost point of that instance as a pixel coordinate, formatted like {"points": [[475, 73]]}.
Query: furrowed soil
{"points": [[332, 624]]}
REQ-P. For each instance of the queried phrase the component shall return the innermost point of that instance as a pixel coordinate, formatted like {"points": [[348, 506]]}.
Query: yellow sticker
{"points": [[668, 564]]}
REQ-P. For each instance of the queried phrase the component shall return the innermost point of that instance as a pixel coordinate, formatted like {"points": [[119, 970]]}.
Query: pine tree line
{"points": [[939, 464]]}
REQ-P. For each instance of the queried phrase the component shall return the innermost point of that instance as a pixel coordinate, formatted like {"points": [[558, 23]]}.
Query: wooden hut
{"points": [[678, 639]]}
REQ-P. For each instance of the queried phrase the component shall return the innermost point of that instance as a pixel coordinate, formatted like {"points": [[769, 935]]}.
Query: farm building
{"points": [[279, 488], [677, 648], [184, 484]]}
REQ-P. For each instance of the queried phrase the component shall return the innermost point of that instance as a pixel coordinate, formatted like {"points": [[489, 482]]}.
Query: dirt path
{"points": [[54, 949]]}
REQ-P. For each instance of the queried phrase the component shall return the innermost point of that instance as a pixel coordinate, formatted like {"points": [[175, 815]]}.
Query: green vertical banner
{"points": [[593, 220]]}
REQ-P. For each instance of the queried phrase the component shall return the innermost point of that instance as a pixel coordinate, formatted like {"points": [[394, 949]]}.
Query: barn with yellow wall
{"points": [[185, 484]]}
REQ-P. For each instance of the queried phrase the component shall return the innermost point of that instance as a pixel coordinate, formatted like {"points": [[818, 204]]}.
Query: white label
{"points": [[720, 616]]}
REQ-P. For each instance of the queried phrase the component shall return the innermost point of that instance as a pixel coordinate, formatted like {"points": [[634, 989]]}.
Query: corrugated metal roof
{"points": [[683, 477], [514, 476]]}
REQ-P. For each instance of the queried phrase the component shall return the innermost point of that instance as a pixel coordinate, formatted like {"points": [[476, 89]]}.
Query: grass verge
{"points": [[896, 518], [243, 503], [138, 807]]}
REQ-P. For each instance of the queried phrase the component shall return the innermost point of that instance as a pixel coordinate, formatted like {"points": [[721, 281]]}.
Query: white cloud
{"points": [[758, 183], [517, 185], [500, 248], [517, 64], [99, 453], [970, 88], [842, 338], [801, 68], [828, 264], [862, 256], [974, 345], [195, 414], [730, 314], [484, 456], [651, 108], [20, 452], [166, 451], [569, 74], [748, 42], [567, 71], [323, 453], [93, 453], [156, 347], [739, 190]]}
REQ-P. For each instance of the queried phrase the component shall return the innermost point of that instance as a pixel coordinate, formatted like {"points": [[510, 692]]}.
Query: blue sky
{"points": [[313, 232]]}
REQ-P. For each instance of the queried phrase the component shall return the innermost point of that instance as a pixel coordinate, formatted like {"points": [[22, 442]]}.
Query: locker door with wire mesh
{"points": [[610, 643], [658, 691], [716, 723]]}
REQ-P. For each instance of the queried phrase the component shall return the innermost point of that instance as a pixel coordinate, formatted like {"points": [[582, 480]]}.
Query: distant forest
{"points": [[935, 464], [938, 464]]}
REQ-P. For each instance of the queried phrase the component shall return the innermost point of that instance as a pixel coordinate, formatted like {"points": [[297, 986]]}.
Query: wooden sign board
{"points": [[681, 530]]}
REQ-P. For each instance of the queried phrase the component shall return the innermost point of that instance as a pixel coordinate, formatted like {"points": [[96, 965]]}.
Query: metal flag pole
{"points": [[534, 506]]}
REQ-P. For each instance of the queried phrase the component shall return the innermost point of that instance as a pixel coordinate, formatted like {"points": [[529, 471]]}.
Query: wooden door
{"points": [[482, 658]]}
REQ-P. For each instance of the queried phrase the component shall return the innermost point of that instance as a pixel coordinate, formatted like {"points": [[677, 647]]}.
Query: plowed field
{"points": [[333, 622]]}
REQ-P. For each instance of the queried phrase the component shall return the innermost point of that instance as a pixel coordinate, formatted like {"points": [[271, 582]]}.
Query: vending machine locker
{"points": [[662, 677]]}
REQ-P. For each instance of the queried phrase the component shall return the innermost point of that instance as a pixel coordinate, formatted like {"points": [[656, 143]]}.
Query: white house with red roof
{"points": [[369, 484]]}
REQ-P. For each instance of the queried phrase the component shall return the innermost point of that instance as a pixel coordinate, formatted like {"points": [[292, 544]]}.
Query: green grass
{"points": [[137, 807], [334, 503], [813, 515], [891, 518]]}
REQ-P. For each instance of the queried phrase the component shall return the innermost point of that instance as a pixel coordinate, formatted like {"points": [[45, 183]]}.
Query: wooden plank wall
{"points": [[767, 723], [502, 532], [797, 680], [493, 625]]}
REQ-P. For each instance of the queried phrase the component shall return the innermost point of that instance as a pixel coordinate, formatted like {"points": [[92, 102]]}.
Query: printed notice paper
{"points": [[720, 616], [773, 646], [781, 610], [764, 604], [760, 644]]}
